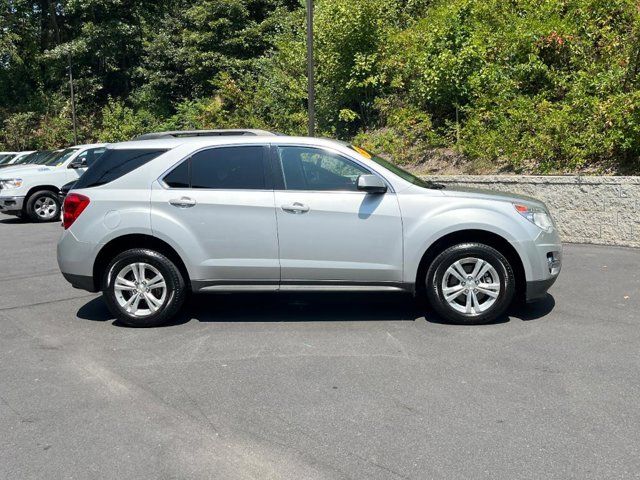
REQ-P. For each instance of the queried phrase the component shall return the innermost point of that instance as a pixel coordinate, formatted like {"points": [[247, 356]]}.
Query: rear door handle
{"points": [[183, 202], [296, 207]]}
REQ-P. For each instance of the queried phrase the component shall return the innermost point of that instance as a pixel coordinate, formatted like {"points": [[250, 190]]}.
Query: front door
{"points": [[329, 232]]}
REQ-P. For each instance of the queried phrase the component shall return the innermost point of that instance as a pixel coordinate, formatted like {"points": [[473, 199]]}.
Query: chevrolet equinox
{"points": [[156, 219]]}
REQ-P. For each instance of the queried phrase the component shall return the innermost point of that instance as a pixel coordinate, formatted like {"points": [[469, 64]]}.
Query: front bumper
{"points": [[537, 289], [11, 205]]}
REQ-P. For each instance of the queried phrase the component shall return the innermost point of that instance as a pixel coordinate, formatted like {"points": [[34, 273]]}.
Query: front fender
{"points": [[422, 231]]}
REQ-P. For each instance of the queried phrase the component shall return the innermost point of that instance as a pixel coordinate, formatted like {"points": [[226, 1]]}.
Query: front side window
{"points": [[307, 168], [91, 155], [223, 168]]}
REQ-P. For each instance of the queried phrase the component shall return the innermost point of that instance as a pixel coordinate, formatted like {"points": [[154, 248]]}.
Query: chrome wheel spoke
{"points": [[156, 282], [122, 283], [152, 302], [476, 269], [476, 304], [451, 293], [452, 271], [478, 277], [136, 302], [468, 305], [132, 303], [490, 293], [460, 269], [136, 272]]}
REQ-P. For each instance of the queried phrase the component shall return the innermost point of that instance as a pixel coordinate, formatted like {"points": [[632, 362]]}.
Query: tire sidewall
{"points": [[443, 261], [30, 210], [172, 277]]}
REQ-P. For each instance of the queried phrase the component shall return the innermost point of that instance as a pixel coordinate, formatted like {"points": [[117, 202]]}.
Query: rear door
{"points": [[329, 232], [218, 206]]}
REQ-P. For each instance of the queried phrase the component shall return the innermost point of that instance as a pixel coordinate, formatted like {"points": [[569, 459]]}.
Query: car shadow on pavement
{"points": [[12, 220], [535, 310], [282, 307], [309, 307]]}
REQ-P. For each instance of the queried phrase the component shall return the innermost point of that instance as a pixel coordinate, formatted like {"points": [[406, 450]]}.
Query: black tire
{"points": [[465, 252], [174, 298], [36, 213]]}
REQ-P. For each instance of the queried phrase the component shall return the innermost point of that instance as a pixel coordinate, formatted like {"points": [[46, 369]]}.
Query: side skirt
{"points": [[299, 286]]}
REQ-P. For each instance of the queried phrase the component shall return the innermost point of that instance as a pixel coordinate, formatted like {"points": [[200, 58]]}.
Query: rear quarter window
{"points": [[114, 164]]}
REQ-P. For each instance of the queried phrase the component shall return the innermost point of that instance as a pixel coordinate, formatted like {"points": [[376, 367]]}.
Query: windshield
{"points": [[5, 158], [401, 172], [59, 157], [35, 157]]}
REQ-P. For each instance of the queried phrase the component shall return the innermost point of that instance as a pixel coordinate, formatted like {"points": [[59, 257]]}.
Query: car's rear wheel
{"points": [[43, 206], [470, 283], [143, 288]]}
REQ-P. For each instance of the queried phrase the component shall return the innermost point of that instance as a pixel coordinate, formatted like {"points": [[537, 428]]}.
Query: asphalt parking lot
{"points": [[320, 386]]}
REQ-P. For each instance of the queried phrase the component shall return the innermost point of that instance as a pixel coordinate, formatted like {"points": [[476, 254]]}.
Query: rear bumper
{"points": [[537, 289], [81, 282], [11, 205]]}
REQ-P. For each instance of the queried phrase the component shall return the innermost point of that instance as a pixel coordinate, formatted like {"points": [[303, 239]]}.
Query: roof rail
{"points": [[202, 133]]}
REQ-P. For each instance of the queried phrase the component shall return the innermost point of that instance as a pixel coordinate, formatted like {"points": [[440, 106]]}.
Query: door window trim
{"points": [[278, 173], [268, 174]]}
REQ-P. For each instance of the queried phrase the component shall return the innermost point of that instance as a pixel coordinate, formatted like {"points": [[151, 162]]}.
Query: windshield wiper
{"points": [[433, 185]]}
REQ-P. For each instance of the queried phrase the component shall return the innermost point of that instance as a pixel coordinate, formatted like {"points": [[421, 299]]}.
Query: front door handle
{"points": [[183, 202], [296, 207]]}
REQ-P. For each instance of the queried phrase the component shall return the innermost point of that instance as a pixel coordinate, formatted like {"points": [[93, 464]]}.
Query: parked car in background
{"points": [[18, 157], [6, 157], [31, 189], [154, 219], [29, 159]]}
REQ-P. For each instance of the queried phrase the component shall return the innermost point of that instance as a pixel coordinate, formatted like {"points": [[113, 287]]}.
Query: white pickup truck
{"points": [[31, 190]]}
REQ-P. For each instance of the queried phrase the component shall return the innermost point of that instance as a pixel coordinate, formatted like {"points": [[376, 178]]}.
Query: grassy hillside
{"points": [[525, 86]]}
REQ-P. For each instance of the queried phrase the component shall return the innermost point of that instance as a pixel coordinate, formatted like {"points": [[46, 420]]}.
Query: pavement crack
{"points": [[48, 302]]}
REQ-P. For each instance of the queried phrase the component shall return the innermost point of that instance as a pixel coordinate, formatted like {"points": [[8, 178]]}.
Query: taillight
{"points": [[74, 205]]}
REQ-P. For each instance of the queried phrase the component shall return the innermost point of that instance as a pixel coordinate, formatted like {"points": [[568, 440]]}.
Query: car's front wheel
{"points": [[143, 288], [470, 283]]}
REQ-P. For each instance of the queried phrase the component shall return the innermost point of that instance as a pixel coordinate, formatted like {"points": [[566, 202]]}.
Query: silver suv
{"points": [[156, 219]]}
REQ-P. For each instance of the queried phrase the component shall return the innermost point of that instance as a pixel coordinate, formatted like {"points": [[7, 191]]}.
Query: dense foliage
{"points": [[473, 85]]}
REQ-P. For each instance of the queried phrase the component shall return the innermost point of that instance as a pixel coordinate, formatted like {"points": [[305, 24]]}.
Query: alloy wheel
{"points": [[471, 286], [140, 289], [45, 208]]}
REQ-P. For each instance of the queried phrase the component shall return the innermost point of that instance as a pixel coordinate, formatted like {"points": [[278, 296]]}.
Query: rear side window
{"points": [[223, 168], [114, 164]]}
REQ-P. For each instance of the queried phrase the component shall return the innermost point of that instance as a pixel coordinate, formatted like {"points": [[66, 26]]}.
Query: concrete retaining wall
{"points": [[602, 210]]}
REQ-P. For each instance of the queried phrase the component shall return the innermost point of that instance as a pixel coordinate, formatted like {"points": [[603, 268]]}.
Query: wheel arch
{"points": [[475, 235], [126, 242], [39, 188]]}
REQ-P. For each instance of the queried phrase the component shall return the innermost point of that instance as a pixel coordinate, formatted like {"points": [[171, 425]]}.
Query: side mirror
{"points": [[371, 184], [78, 164]]}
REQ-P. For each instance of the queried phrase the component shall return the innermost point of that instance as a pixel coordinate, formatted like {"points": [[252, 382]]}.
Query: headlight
{"points": [[536, 215], [8, 183]]}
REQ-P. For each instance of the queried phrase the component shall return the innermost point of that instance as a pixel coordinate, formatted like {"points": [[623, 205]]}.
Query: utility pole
{"points": [[310, 71], [73, 104]]}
